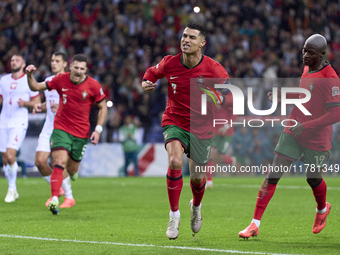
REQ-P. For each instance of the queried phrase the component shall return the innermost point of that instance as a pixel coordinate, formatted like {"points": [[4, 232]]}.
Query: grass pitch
{"points": [[130, 216]]}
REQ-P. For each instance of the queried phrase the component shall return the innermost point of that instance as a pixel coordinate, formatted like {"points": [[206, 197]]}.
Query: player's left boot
{"points": [[74, 177], [68, 202], [320, 219], [11, 196], [196, 218], [53, 206], [251, 230]]}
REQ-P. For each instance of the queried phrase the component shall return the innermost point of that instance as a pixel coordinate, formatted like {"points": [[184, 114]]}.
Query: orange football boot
{"points": [[251, 230], [68, 202], [320, 219]]}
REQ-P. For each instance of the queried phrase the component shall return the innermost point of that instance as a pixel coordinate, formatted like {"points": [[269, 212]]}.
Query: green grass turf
{"points": [[135, 211]]}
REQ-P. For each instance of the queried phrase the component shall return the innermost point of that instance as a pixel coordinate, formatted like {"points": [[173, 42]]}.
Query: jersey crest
{"points": [[13, 85], [84, 94]]}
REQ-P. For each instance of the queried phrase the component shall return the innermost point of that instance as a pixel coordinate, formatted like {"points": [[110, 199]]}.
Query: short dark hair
{"points": [[19, 55], [203, 31], [62, 54], [79, 58]]}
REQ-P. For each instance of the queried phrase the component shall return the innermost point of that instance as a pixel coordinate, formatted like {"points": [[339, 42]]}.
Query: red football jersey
{"points": [[224, 113], [75, 103], [324, 87], [183, 107]]}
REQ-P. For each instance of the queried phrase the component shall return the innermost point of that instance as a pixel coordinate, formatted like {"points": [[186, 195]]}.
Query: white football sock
{"points": [[12, 174], [196, 208], [322, 211], [48, 179], [257, 222], [67, 187], [175, 214]]}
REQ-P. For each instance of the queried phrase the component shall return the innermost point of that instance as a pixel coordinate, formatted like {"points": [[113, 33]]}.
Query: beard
{"points": [[15, 70]]}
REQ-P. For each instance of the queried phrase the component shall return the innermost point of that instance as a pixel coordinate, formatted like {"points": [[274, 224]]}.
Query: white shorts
{"points": [[44, 142], [11, 138]]}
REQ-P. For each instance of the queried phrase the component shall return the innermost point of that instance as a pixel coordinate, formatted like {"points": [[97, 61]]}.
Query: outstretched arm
{"points": [[101, 119], [32, 83]]}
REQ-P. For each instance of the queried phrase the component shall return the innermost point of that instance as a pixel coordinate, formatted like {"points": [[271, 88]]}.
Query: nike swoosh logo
{"points": [[173, 187], [64, 89], [173, 77], [54, 180]]}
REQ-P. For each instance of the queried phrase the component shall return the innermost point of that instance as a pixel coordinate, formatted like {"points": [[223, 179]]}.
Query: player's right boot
{"points": [[173, 226], [320, 219], [53, 206], [11, 196], [196, 218], [251, 230]]}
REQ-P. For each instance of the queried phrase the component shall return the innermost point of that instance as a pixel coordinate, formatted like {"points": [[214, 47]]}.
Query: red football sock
{"points": [[197, 192], [266, 192], [174, 181], [56, 179], [319, 193], [228, 160], [208, 173]]}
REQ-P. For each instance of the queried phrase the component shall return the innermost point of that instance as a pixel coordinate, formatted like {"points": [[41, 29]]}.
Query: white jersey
{"points": [[51, 96], [12, 90]]}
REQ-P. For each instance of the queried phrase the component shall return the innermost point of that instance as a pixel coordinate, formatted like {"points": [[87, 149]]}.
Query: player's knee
{"points": [[314, 182], [175, 162], [10, 159], [39, 162]]}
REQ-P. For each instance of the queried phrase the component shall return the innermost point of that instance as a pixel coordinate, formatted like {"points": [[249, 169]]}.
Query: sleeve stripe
{"points": [[100, 100], [333, 104], [47, 85], [36, 95]]}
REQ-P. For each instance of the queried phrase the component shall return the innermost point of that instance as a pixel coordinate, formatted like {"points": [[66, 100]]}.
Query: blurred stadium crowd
{"points": [[251, 39]]}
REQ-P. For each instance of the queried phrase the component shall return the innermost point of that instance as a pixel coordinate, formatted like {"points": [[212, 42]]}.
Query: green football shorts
{"points": [[75, 146], [197, 149], [289, 148], [222, 143]]}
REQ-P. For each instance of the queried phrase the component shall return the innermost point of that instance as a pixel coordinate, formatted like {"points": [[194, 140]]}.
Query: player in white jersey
{"points": [[43, 151], [15, 96]]}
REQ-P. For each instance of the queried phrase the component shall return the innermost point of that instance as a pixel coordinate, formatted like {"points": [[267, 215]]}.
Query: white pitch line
{"points": [[143, 245]]}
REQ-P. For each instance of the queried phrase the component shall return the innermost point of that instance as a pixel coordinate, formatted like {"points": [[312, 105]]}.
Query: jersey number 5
{"points": [[64, 98]]}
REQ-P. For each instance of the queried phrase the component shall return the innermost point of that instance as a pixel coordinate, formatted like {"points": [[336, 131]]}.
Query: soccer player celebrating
{"points": [[310, 138], [16, 96], [77, 92], [185, 129], [43, 151]]}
